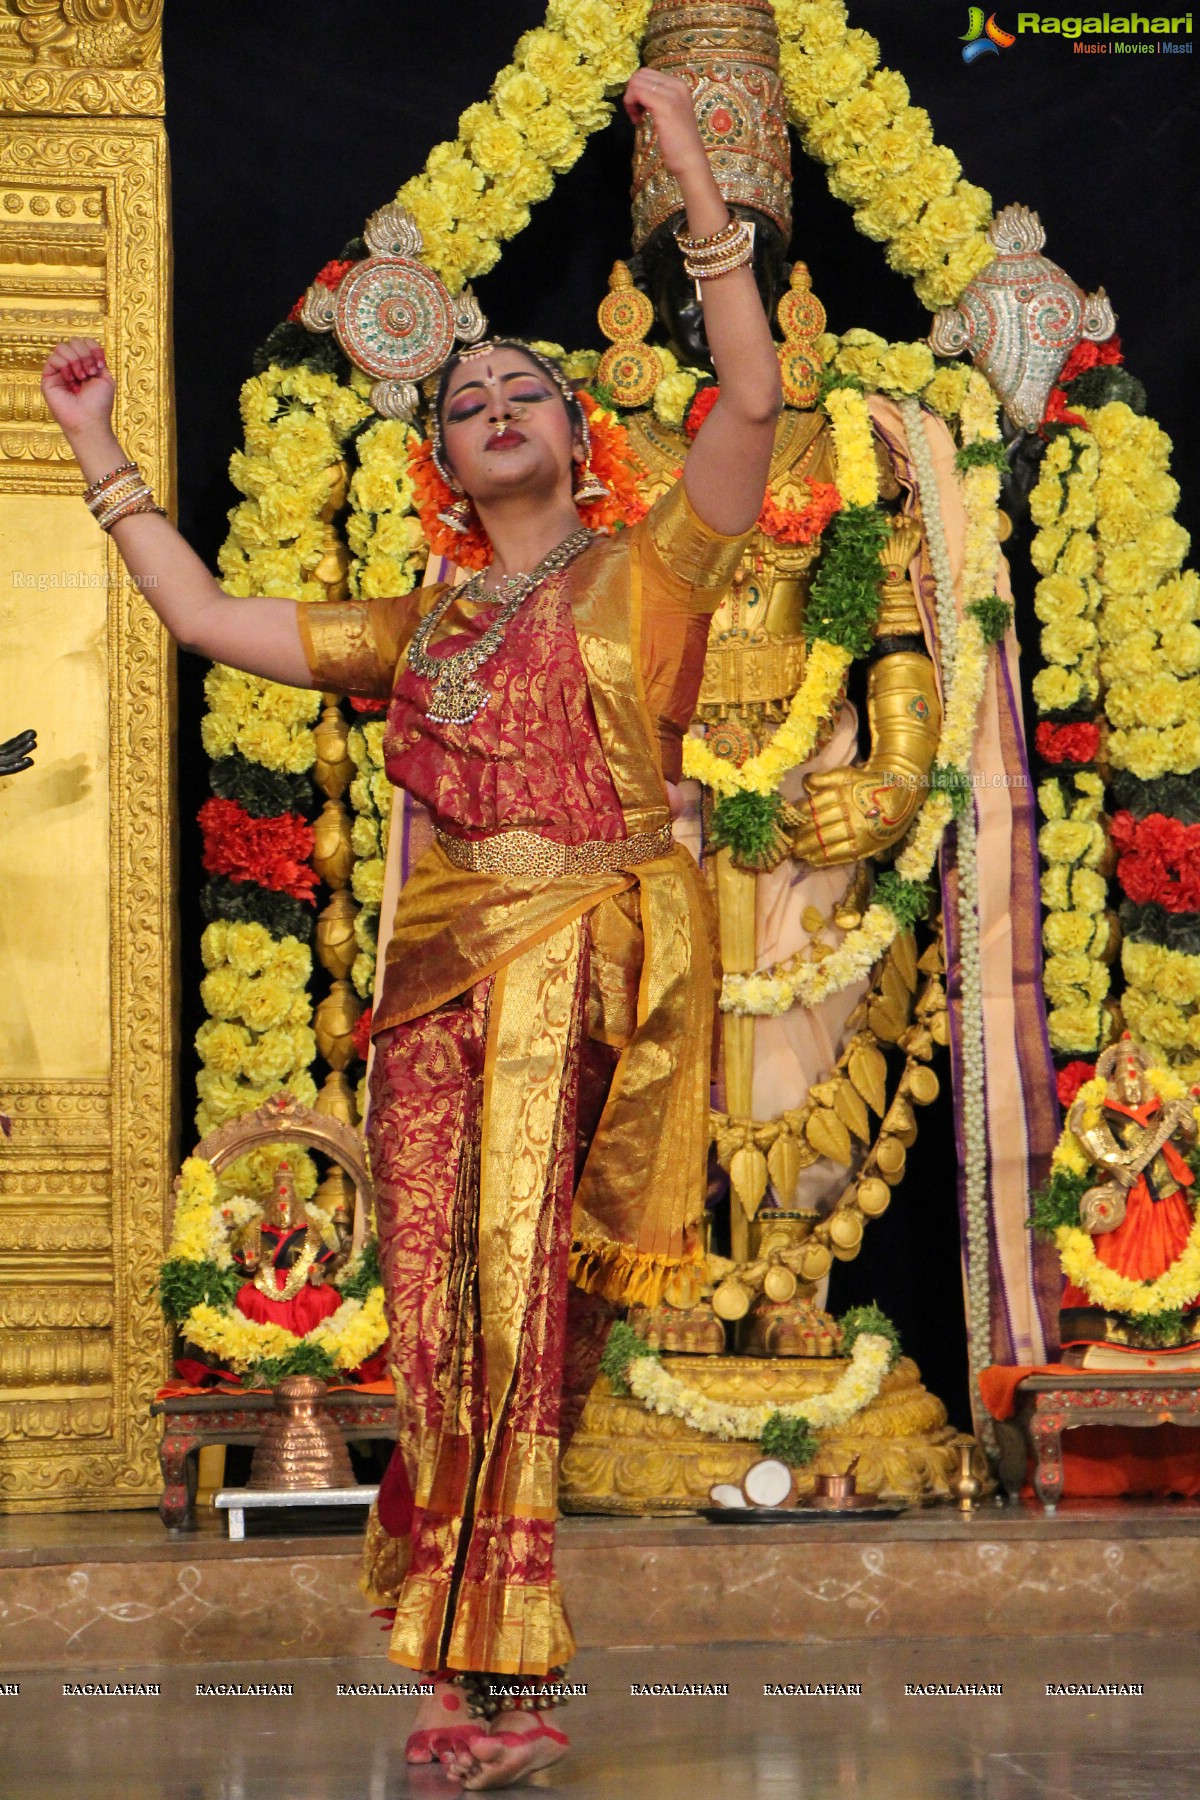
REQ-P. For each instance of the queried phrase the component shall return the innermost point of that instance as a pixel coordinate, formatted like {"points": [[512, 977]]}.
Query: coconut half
{"points": [[724, 1493], [769, 1483]]}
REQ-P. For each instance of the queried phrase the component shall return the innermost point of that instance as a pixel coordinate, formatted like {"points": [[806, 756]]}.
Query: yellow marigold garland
{"points": [[1076, 930], [1176, 1288], [292, 475], [1150, 645], [256, 1040], [824, 674], [350, 1335], [475, 193], [281, 542], [907, 192], [807, 983], [382, 529], [1119, 623], [371, 798], [826, 664]]}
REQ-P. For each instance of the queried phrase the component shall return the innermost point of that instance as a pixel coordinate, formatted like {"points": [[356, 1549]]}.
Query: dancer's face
{"points": [[506, 429]]}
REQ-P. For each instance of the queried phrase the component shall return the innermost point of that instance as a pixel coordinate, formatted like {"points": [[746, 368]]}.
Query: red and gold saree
{"points": [[539, 1110]]}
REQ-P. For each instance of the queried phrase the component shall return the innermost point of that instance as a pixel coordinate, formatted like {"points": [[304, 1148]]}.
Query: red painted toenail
{"points": [[451, 1702]]}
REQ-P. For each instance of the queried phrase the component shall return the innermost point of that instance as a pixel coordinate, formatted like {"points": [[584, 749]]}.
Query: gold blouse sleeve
{"points": [[686, 570], [686, 562], [355, 646]]}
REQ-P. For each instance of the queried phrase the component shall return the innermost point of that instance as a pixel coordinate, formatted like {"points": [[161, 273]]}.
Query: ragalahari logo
{"points": [[984, 37]]}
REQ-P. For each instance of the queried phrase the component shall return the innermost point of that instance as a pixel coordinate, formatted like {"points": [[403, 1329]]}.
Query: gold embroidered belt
{"points": [[525, 853], [753, 671]]}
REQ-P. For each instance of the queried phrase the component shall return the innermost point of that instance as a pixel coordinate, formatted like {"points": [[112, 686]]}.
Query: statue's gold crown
{"points": [[728, 53], [285, 1211]]}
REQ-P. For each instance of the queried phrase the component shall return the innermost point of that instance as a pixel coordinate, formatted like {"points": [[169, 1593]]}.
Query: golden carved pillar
{"points": [[88, 1020]]}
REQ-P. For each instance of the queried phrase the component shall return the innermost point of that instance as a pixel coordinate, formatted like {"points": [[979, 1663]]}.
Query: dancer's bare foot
{"points": [[442, 1719], [506, 1756]]}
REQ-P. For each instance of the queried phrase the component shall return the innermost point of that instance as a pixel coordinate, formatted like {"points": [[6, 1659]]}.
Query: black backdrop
{"points": [[290, 121]]}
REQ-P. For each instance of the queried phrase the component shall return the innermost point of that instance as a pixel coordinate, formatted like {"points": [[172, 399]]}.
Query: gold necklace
{"points": [[456, 698], [295, 1277]]}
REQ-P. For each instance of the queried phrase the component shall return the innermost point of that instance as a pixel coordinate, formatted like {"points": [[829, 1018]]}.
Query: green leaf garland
{"points": [[793, 1441], [183, 1285], [907, 901], [746, 823], [843, 602]]}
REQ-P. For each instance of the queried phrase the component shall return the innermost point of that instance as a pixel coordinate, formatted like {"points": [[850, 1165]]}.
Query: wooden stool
{"points": [[1048, 1405], [192, 1420]]}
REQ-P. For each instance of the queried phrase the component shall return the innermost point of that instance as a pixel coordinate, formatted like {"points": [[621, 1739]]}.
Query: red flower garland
{"points": [[1071, 1078], [362, 1032], [700, 408], [1087, 356], [610, 460], [788, 526], [272, 852], [330, 276], [1059, 413], [1075, 743], [1158, 861], [1083, 357]]}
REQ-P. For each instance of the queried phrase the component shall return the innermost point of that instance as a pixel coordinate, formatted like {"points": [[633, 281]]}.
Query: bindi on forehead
{"points": [[526, 373]]}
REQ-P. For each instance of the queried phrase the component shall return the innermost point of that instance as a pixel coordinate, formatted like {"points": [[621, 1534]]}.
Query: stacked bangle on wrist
{"points": [[119, 494], [705, 258]]}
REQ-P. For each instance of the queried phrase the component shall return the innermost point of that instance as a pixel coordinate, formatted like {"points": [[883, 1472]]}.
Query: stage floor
{"points": [[85, 1592], [884, 1744]]}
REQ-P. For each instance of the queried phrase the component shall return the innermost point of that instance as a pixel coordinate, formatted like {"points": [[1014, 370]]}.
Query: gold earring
{"points": [[459, 516], [590, 486]]}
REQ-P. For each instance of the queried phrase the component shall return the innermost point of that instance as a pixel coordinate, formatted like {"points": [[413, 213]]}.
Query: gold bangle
{"points": [[711, 271], [141, 503], [734, 253], [120, 490], [96, 487], [698, 246], [138, 492]]}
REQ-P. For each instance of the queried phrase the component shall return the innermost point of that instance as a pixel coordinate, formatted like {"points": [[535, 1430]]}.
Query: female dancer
{"points": [[538, 1121]]}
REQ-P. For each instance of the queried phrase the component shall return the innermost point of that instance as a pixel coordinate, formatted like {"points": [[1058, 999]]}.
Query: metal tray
{"points": [[781, 1515]]}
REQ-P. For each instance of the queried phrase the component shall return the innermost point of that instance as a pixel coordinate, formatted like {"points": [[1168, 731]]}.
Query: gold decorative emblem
{"points": [[630, 369], [802, 320], [392, 315]]}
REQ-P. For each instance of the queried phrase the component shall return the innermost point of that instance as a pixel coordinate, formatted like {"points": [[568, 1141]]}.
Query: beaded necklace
{"points": [[456, 698]]}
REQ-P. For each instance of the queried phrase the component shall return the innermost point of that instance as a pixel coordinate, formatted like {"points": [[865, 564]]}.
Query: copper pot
{"points": [[836, 1487], [301, 1446]]}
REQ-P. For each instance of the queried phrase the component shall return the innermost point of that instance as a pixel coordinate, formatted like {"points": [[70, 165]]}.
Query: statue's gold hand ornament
{"points": [[862, 810]]}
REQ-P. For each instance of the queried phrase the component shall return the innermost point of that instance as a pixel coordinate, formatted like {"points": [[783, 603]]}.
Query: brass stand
{"points": [[301, 1446]]}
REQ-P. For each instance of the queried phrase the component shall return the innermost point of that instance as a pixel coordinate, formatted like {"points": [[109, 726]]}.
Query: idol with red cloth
{"points": [[1141, 1217], [288, 1260]]}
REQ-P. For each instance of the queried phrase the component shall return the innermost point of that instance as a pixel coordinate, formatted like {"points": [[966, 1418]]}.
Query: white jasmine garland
{"points": [[662, 1391], [960, 644], [964, 660]]}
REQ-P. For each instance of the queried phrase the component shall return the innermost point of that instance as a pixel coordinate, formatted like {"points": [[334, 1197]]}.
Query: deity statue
{"points": [[1141, 1214], [792, 1128], [16, 753], [844, 808], [288, 1261]]}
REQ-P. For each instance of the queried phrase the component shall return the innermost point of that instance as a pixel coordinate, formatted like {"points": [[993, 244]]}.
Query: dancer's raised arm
{"points": [[725, 475], [259, 635]]}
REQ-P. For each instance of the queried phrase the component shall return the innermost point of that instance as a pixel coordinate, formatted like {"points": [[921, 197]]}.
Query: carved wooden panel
{"points": [[88, 1023]]}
